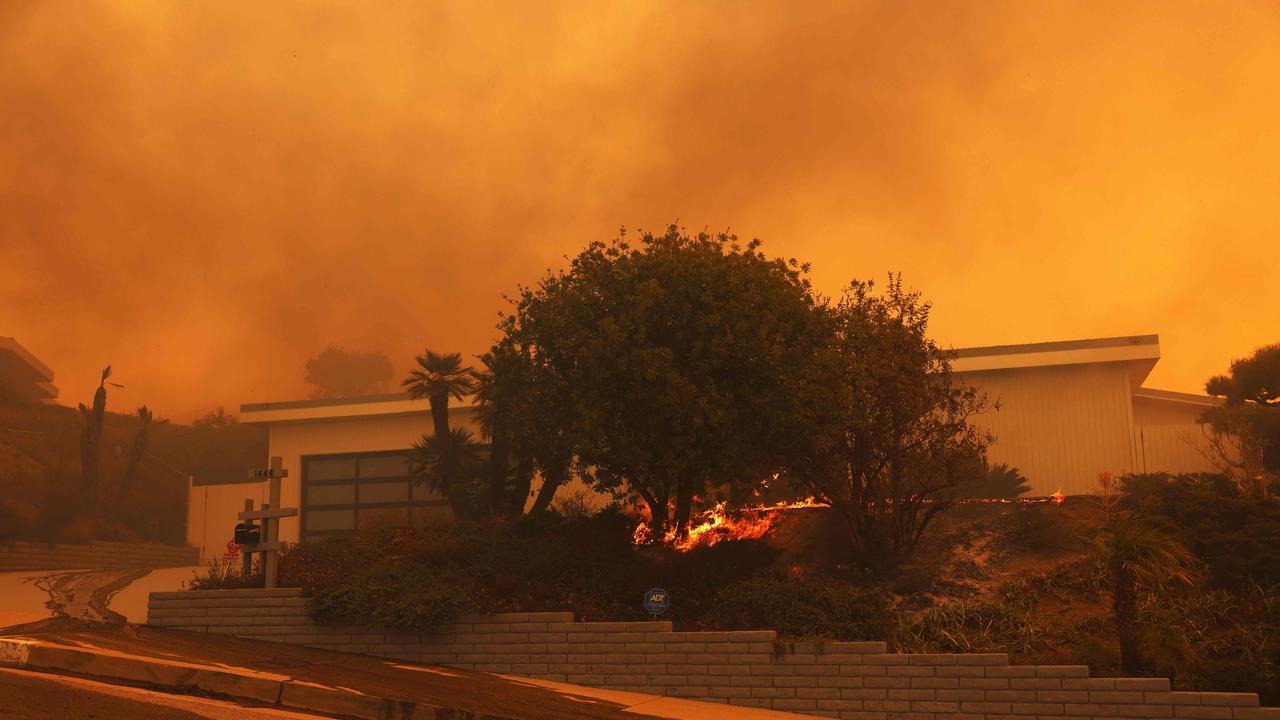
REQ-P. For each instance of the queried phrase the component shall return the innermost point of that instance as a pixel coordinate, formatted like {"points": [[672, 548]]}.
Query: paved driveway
{"points": [[112, 595]]}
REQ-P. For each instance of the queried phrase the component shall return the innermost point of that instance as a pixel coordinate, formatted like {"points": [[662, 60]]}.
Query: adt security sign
{"points": [[656, 601]]}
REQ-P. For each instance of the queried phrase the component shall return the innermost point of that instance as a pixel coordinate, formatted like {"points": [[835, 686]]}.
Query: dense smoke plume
{"points": [[206, 194]]}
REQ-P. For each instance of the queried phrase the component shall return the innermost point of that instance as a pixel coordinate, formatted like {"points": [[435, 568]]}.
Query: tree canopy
{"points": [[1246, 439], [684, 358], [897, 448], [337, 372]]}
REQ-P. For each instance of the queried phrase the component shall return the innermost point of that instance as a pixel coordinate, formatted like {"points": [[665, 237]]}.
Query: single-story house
{"points": [[1068, 411]]}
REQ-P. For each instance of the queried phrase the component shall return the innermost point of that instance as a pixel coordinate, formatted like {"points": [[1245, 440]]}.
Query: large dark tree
{"points": [[336, 372], [527, 412], [899, 447], [1246, 428], [684, 359]]}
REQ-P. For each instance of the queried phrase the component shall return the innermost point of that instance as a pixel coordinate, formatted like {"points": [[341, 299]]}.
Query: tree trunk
{"points": [[658, 511], [499, 468], [520, 493], [684, 505], [449, 457], [1125, 605], [139, 449], [91, 447], [440, 414], [552, 478]]}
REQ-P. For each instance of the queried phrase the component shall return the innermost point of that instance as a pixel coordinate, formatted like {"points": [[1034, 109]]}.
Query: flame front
{"points": [[718, 523], [749, 523]]}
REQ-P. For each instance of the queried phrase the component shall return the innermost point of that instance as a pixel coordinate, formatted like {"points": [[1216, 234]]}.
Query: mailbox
{"points": [[248, 534]]}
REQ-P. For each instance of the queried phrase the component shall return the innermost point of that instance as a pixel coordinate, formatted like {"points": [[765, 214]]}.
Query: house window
{"points": [[341, 493]]}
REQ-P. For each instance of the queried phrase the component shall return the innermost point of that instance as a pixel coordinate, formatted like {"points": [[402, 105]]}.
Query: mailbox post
{"points": [[246, 557], [270, 515]]}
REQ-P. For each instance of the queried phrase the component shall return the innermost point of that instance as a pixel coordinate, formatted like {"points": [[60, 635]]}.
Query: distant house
{"points": [[1069, 410], [23, 377]]}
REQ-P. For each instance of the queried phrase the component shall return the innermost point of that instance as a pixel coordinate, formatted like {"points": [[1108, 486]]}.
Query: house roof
{"points": [[384, 405], [1139, 352], [1178, 397], [23, 374]]}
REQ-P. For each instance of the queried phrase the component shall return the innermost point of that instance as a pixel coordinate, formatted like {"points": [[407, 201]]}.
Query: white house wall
{"points": [[212, 509], [1060, 425]]}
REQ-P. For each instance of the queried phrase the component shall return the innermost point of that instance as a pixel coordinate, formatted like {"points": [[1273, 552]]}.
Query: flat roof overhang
{"points": [[1138, 352], [1171, 396], [387, 405], [23, 373]]}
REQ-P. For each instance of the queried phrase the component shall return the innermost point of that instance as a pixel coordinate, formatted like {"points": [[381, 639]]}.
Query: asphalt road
{"points": [[37, 696], [481, 693]]}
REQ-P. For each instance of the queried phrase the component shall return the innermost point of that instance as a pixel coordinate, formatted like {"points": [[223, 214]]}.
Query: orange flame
{"points": [[718, 523]]}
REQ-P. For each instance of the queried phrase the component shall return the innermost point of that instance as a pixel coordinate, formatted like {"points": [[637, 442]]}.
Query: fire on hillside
{"points": [[719, 523]]}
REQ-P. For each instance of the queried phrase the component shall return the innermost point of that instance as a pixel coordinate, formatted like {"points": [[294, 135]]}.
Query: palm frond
{"points": [[439, 374], [1151, 556]]}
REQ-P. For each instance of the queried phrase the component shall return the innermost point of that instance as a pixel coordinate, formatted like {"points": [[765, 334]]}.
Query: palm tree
{"points": [[1136, 554], [441, 457], [436, 378], [495, 385], [444, 463], [91, 438], [136, 453]]}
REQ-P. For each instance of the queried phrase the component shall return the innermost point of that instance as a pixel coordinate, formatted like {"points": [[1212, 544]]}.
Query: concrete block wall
{"points": [[44, 556], [852, 680]]}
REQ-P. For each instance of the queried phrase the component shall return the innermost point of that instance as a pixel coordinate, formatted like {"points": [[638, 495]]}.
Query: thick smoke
{"points": [[205, 194]]}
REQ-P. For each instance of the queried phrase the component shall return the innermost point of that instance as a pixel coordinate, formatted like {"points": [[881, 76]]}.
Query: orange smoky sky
{"points": [[204, 194]]}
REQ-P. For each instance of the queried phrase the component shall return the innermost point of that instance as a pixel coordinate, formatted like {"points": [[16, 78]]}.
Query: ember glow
{"points": [[718, 523], [750, 523]]}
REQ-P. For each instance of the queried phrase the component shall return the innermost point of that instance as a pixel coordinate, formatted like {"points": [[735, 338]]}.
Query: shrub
{"points": [[1103, 660], [999, 482], [1038, 528], [1235, 534], [807, 607], [1003, 625], [412, 598], [224, 575]]}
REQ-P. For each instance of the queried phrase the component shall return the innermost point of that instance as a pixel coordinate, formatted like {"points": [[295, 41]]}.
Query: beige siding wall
{"points": [[1172, 448], [1060, 425], [1154, 411]]}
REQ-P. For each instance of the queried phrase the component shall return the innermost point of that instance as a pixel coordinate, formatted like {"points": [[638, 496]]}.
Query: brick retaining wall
{"points": [[42, 556], [858, 680]]}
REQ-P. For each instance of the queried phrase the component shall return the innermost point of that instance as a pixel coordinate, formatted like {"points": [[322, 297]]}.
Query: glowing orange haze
{"points": [[204, 194]]}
